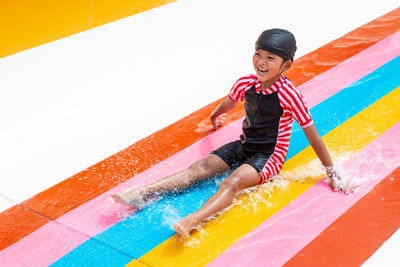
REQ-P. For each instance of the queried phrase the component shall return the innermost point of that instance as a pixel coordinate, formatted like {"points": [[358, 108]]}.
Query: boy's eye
{"points": [[271, 58]]}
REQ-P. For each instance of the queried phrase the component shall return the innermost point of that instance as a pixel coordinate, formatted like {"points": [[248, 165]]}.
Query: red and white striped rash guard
{"points": [[293, 106]]}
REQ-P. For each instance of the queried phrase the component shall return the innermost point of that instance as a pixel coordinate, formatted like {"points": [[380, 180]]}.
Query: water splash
{"points": [[372, 165], [314, 171], [195, 239], [261, 193], [173, 206], [169, 216]]}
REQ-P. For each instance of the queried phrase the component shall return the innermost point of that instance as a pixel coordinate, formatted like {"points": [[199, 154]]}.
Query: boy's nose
{"points": [[261, 63]]}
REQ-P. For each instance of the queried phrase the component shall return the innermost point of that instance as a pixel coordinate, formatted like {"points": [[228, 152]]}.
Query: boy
{"points": [[271, 104]]}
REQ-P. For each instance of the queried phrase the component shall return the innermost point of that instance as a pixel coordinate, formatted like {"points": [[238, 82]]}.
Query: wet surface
{"points": [[52, 241], [378, 213], [127, 234]]}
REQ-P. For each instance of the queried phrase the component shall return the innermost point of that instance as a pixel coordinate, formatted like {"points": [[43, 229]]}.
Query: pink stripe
{"points": [[332, 81], [100, 213], [42, 247], [279, 238]]}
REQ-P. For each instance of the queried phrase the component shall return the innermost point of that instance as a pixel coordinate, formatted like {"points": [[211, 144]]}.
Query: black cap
{"points": [[279, 42]]}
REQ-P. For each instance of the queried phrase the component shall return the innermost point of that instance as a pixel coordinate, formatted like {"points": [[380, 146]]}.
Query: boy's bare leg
{"points": [[200, 170], [244, 177]]}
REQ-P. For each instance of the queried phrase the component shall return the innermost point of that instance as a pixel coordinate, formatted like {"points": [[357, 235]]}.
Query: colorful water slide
{"points": [[352, 86]]}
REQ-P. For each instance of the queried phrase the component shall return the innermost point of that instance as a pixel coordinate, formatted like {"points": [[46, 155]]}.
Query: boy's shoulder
{"points": [[287, 85], [248, 78], [245, 81]]}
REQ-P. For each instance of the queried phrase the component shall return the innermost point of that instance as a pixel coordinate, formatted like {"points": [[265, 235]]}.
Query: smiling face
{"points": [[269, 67]]}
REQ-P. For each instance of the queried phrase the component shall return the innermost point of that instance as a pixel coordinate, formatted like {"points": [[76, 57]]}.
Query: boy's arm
{"points": [[318, 146], [225, 106], [323, 154]]}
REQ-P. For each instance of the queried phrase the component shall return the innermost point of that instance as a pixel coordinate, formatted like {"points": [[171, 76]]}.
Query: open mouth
{"points": [[262, 71]]}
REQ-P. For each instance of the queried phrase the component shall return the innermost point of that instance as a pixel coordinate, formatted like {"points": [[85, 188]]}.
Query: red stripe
{"points": [[299, 101], [298, 108], [236, 91], [234, 100], [359, 232], [240, 90], [284, 100]]}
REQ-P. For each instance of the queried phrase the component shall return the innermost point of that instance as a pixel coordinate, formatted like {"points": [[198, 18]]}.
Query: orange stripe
{"points": [[29, 23], [105, 175], [10, 228], [345, 47], [359, 232]]}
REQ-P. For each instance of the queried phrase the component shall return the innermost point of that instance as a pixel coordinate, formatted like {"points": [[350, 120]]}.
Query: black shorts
{"points": [[234, 154]]}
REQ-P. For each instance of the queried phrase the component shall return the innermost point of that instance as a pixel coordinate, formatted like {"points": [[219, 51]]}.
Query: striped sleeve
{"points": [[240, 88], [297, 105]]}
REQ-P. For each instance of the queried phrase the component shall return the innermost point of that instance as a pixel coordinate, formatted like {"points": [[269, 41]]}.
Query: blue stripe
{"points": [[95, 253], [143, 231]]}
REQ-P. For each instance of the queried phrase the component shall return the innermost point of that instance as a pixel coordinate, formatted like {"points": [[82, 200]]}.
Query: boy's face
{"points": [[269, 66]]}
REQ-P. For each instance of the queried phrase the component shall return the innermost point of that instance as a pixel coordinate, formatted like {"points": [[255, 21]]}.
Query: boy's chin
{"points": [[266, 78], [263, 78]]}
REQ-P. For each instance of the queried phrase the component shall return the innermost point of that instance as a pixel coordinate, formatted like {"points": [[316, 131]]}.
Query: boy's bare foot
{"points": [[131, 198], [185, 226], [117, 197]]}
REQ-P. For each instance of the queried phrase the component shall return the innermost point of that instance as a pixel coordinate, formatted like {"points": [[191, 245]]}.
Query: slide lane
{"points": [[331, 54], [193, 200], [361, 230], [351, 70], [40, 251], [333, 111], [86, 185], [80, 218], [280, 237], [228, 228]]}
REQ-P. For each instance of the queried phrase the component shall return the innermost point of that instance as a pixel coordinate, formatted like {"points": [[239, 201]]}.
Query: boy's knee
{"points": [[199, 168], [232, 183]]}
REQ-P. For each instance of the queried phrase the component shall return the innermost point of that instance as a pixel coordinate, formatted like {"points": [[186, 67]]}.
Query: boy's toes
{"points": [[117, 198], [181, 230]]}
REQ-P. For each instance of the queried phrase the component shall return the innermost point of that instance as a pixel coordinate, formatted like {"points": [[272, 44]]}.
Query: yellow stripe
{"points": [[28, 23], [225, 230]]}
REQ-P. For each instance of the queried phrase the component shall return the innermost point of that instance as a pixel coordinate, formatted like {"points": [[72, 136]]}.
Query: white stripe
{"points": [[275, 170], [268, 169], [297, 106], [238, 91], [279, 157]]}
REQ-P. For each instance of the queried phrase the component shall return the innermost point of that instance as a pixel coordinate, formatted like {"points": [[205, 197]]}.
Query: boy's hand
{"points": [[337, 183], [218, 115], [218, 121]]}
